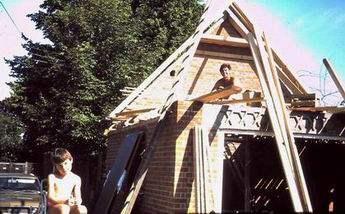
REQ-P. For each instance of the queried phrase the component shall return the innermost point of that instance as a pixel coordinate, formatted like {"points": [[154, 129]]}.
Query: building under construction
{"points": [[263, 144]]}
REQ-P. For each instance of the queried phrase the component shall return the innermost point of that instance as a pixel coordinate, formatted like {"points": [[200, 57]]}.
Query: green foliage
{"points": [[64, 89], [10, 132]]}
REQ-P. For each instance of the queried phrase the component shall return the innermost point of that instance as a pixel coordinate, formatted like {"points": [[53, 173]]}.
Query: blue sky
{"points": [[303, 32], [318, 24]]}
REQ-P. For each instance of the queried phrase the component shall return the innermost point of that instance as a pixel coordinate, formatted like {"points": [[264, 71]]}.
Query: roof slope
{"points": [[222, 32]]}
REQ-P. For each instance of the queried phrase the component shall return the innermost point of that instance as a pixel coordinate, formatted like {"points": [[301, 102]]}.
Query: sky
{"points": [[301, 32]]}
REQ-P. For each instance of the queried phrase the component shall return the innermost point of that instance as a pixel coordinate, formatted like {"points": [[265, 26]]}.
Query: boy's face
{"points": [[65, 167], [226, 73]]}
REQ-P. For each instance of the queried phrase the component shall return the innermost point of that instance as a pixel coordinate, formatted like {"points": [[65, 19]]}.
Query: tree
{"points": [[10, 132], [64, 89]]}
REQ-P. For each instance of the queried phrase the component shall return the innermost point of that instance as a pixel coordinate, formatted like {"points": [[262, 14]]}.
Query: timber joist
{"points": [[223, 40]]}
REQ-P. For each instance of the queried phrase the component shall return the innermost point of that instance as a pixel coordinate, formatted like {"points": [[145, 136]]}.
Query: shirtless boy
{"points": [[64, 196]]}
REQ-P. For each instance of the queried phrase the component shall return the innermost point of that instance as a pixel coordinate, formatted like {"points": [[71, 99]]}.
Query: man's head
{"points": [[225, 71], [62, 160]]}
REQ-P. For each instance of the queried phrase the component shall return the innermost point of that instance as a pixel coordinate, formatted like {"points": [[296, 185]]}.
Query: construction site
{"points": [[263, 144]]}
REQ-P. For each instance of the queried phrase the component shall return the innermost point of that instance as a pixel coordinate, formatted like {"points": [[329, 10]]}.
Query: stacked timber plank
{"points": [[203, 186]]}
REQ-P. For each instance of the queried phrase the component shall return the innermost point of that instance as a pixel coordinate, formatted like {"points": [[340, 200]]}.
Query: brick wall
{"points": [[169, 185], [204, 73]]}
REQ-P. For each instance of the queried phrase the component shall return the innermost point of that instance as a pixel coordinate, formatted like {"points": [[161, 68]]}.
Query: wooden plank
{"points": [[203, 191], [207, 17], [287, 72], [225, 40], [250, 100], [287, 76], [275, 125], [196, 171], [118, 170], [210, 203], [304, 96], [217, 94], [306, 103], [237, 24], [133, 112], [225, 55], [214, 25], [335, 77], [330, 109], [295, 163], [292, 86], [243, 18]]}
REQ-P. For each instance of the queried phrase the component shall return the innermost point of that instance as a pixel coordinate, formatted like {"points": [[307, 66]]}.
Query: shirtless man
{"points": [[64, 196], [227, 80]]}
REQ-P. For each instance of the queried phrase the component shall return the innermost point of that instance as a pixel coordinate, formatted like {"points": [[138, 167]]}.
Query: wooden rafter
{"points": [[134, 112], [217, 94], [291, 85], [335, 78], [287, 72], [224, 102], [224, 55], [243, 18], [225, 40], [277, 117], [241, 22]]}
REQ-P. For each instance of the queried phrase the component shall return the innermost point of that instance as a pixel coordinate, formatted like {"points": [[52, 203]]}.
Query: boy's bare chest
{"points": [[65, 184]]}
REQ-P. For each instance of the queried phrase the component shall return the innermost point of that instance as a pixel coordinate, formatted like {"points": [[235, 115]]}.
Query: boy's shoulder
{"points": [[51, 176], [75, 175]]}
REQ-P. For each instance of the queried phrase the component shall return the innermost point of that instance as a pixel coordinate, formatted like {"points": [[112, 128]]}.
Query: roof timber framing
{"points": [[224, 55], [217, 94], [287, 76], [295, 162], [277, 111], [227, 102], [266, 60], [227, 41], [291, 82], [168, 63]]}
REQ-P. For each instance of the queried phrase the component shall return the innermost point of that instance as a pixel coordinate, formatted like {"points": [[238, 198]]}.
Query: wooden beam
{"points": [[276, 122], [330, 109], [291, 150], [224, 55], [133, 112], [287, 72], [291, 85], [237, 23], [241, 22], [225, 40], [224, 102], [335, 77], [240, 14], [217, 94], [203, 187], [215, 24]]}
